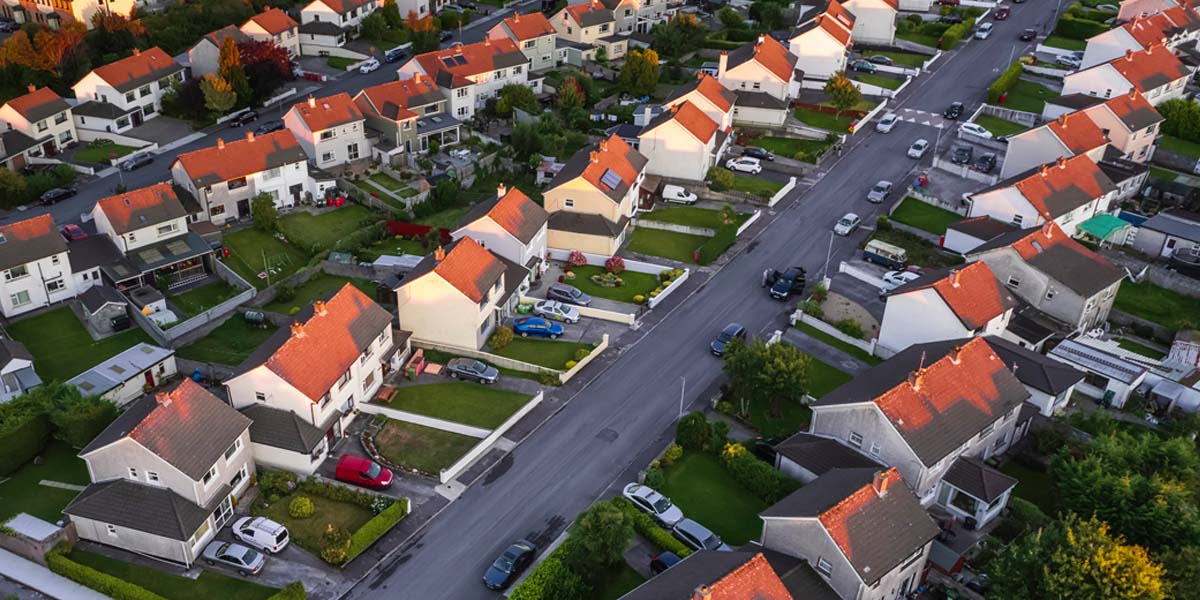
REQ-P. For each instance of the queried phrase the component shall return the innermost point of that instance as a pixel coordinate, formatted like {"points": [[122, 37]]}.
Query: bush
{"points": [[615, 265], [955, 33], [758, 477], [552, 579], [674, 452], [648, 528], [720, 179], [291, 591], [1022, 516], [276, 484], [718, 435], [813, 308], [850, 328], [501, 338], [715, 246], [883, 223], [335, 545], [80, 423], [1005, 82], [22, 437], [576, 259], [571, 364], [96, 580], [374, 529], [1182, 120], [692, 432], [639, 299], [1078, 28], [581, 354], [301, 507], [655, 478]]}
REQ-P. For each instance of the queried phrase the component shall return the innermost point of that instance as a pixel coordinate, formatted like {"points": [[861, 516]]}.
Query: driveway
{"points": [[161, 130], [416, 488], [320, 580]]}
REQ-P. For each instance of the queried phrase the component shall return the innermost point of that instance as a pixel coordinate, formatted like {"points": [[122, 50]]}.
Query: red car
{"points": [[73, 232], [1001, 13], [363, 472]]}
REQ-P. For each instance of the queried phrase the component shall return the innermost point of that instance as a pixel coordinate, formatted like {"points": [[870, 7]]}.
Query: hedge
{"points": [[1005, 82], [1182, 119], [955, 33], [292, 591], [645, 525], [21, 439], [27, 422], [374, 529], [101, 582], [716, 245], [720, 44], [551, 579], [758, 477], [1078, 29]]}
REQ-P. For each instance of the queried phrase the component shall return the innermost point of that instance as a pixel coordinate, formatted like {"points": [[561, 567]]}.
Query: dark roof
{"points": [[972, 476], [91, 252], [1118, 169], [98, 296], [798, 577], [1063, 259], [141, 507], [981, 228], [282, 429], [626, 131], [1058, 191], [38, 104], [1076, 101], [1176, 223], [585, 223], [29, 240], [707, 568], [100, 110], [1034, 370], [759, 100], [821, 455], [971, 292], [10, 349], [514, 275], [14, 142], [321, 28], [1031, 325]]}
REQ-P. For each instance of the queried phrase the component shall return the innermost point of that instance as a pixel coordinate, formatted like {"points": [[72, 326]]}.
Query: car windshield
{"points": [[877, 188], [574, 293], [505, 562], [846, 221], [374, 470], [712, 542], [249, 557], [662, 505], [478, 367]]}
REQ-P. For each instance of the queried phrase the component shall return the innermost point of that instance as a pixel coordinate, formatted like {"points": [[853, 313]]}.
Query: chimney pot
{"points": [[954, 278], [319, 308], [1129, 55], [250, 136], [516, 17], [702, 592], [220, 143], [1045, 169], [32, 88], [955, 355], [883, 480], [312, 102], [439, 254], [297, 329], [163, 399], [594, 156], [762, 38], [501, 190], [604, 145], [914, 379], [416, 77], [1062, 162], [137, 52], [1047, 228]]}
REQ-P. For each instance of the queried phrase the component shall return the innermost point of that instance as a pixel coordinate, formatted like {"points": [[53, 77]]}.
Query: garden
{"points": [[468, 403], [920, 252], [102, 151], [18, 190], [199, 299], [695, 248], [794, 148], [289, 300], [1181, 127], [22, 491], [62, 348], [552, 354], [1028, 96], [999, 127], [673, 245], [924, 216], [229, 344], [705, 491], [824, 120], [393, 246], [698, 217], [633, 284], [425, 449], [1160, 305], [205, 586], [440, 357]]}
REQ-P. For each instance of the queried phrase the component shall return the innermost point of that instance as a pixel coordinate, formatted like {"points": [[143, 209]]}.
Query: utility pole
{"points": [[828, 255], [682, 387]]}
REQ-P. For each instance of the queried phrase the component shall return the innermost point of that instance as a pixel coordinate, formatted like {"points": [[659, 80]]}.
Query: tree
{"points": [[598, 539], [373, 26], [525, 140], [570, 95], [1183, 572], [391, 13], [730, 18], [1077, 559], [777, 373], [768, 14], [677, 37], [1182, 119], [425, 40], [601, 55], [12, 189], [639, 74], [842, 92], [267, 66], [262, 209], [415, 23], [229, 68], [517, 96], [219, 96]]}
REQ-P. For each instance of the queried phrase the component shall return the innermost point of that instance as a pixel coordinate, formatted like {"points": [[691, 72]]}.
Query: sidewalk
{"points": [[43, 580]]}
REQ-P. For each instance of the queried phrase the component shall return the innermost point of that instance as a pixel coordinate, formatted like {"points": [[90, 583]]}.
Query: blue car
{"points": [[538, 327]]}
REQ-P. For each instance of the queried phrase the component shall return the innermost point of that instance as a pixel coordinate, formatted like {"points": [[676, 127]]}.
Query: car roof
{"points": [[732, 328], [850, 215], [693, 528], [353, 461]]}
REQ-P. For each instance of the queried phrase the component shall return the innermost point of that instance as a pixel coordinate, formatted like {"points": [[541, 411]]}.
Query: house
{"points": [[860, 529], [204, 55], [706, 93], [874, 20], [458, 294], [55, 14], [224, 178], [1067, 192], [1174, 26], [405, 116], [970, 233], [1129, 121], [17, 150], [470, 74], [332, 130], [326, 25], [1143, 8], [165, 475], [749, 574], [593, 198], [274, 25], [510, 225], [1107, 377], [1154, 72], [683, 143], [531, 32], [1068, 135], [17, 375], [41, 115], [946, 304], [920, 411], [1055, 274], [822, 43], [125, 377], [1049, 382], [764, 77], [37, 272], [589, 27], [635, 16], [333, 358], [1169, 232], [134, 86]]}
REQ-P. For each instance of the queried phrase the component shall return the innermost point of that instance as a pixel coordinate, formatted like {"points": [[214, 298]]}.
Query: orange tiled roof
{"points": [[839, 14], [344, 6], [752, 580], [29, 240], [1134, 110], [517, 214], [529, 26], [27, 106], [1077, 132], [1151, 68], [579, 11], [143, 67], [716, 93], [461, 62], [837, 519], [694, 121], [974, 294], [470, 268], [769, 53], [1148, 30], [142, 207], [391, 100], [1064, 186], [611, 154], [274, 21], [325, 113], [240, 158], [834, 29]]}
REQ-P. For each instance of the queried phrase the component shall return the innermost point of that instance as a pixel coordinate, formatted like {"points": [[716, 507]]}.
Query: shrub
{"points": [[571, 364], [639, 299], [813, 308], [285, 294], [1005, 82], [23, 435], [674, 452], [294, 310], [1078, 28], [883, 223], [850, 328], [501, 338], [582, 353], [552, 580], [720, 179], [374, 529], [335, 545], [576, 259], [615, 265], [956, 33], [276, 483], [549, 379], [301, 507], [101, 582], [291, 591], [718, 435], [692, 432], [758, 477], [726, 408], [655, 478], [645, 525], [1182, 120]]}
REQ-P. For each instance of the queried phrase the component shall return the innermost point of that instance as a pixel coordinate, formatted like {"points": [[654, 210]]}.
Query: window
{"points": [[462, 111], [20, 299], [133, 473], [757, 85], [233, 448], [54, 260], [325, 400], [55, 285], [407, 125], [65, 137], [875, 449], [1000, 443], [530, 43], [987, 430], [382, 339], [569, 203], [326, 157], [216, 211], [144, 91], [237, 478], [352, 151], [210, 476], [328, 134], [129, 97], [1014, 282], [461, 93], [502, 73], [60, 118], [604, 28], [1016, 220], [42, 126], [855, 439], [517, 70], [112, 530], [152, 476], [343, 379], [16, 273], [824, 567], [272, 173], [628, 11], [167, 229], [369, 381]]}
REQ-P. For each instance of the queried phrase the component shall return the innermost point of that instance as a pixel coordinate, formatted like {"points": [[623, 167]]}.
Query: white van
{"points": [[677, 194]]}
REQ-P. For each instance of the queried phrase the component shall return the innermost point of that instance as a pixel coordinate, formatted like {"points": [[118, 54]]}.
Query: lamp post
{"points": [[682, 387]]}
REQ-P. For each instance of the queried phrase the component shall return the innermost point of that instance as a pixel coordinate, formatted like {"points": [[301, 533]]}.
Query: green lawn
{"points": [[442, 358], [446, 219], [468, 403], [249, 248], [423, 448], [902, 59], [102, 154], [794, 416], [317, 287], [796, 148], [21, 492], [1180, 146], [999, 126], [324, 230], [1059, 41], [1028, 96], [882, 81], [824, 378], [307, 533], [635, 283], [198, 300], [209, 585], [551, 354], [667, 244], [340, 63], [229, 344], [1142, 349], [1163, 174], [619, 581], [691, 216], [1165, 307], [826, 121], [388, 182], [917, 37], [920, 252], [854, 351], [393, 246], [756, 185], [708, 494], [62, 348], [1034, 486], [925, 216]]}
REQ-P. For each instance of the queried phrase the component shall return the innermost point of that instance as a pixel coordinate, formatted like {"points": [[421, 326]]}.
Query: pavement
{"points": [[33, 576]]}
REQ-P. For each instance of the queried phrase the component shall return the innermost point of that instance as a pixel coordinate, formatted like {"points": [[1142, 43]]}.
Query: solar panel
{"points": [[151, 255], [610, 179], [448, 61], [460, 59]]}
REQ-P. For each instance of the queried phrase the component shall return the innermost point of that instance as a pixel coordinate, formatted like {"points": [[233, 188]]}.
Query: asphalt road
{"points": [[578, 456]]}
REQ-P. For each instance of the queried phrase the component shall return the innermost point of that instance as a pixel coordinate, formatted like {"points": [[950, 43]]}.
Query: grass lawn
{"points": [[102, 154], [249, 248], [552, 354], [708, 494], [902, 59], [619, 581], [307, 533], [667, 244], [999, 126], [822, 379], [1163, 174], [1148, 301], [882, 81], [820, 120], [635, 283], [423, 448], [394, 246], [917, 37], [447, 219], [62, 348], [854, 351], [388, 182], [920, 252], [1059, 41], [1180, 146], [755, 185], [317, 287], [792, 147], [692, 216], [324, 230], [229, 344], [21, 491], [340, 63], [441, 358], [198, 300], [1142, 349], [210, 584], [1029, 96], [925, 216], [1033, 485], [468, 403]]}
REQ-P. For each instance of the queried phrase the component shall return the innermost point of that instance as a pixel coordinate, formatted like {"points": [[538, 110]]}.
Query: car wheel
{"points": [[524, 334], [453, 375], [554, 336], [242, 572]]}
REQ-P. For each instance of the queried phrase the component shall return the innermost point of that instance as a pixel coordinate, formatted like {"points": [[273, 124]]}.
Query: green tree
{"points": [[525, 140], [12, 188], [768, 14], [639, 75], [730, 18], [776, 373], [424, 41], [391, 14], [570, 94], [218, 95], [601, 55], [682, 34], [517, 96], [598, 539], [1181, 119], [374, 26], [692, 431], [1183, 572], [842, 92], [262, 209]]}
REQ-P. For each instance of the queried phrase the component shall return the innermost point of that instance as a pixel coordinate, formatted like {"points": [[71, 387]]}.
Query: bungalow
{"points": [[405, 116], [1154, 72], [41, 115], [1169, 232], [332, 130], [134, 85], [511, 226], [533, 33], [822, 43], [764, 77], [682, 143], [1067, 192], [1069, 135], [946, 304], [125, 377], [706, 93], [470, 74], [17, 375], [1106, 376], [274, 25], [204, 56], [874, 20], [37, 272], [589, 27], [165, 475], [1129, 121], [326, 25], [593, 198], [226, 177], [746, 574], [1173, 26]]}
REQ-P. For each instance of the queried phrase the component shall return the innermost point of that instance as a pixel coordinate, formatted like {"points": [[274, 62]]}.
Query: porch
{"points": [[172, 264], [974, 493], [440, 127]]}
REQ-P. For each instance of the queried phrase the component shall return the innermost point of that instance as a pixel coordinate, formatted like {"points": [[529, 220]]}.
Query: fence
{"points": [[484, 446], [499, 361], [566, 376], [91, 135], [1027, 119], [166, 336], [860, 274], [636, 266], [826, 328], [930, 199], [1046, 71], [372, 408], [38, 160], [594, 313], [1053, 50], [897, 70], [937, 55], [1157, 274], [862, 123], [964, 171], [754, 217], [783, 191], [675, 227]]}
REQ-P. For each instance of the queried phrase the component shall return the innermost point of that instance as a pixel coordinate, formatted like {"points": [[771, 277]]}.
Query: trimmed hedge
{"points": [[292, 591], [1078, 28], [645, 525], [758, 477], [720, 44], [374, 529], [715, 246], [551, 579], [22, 437], [955, 33], [101, 582], [1005, 82], [27, 422]]}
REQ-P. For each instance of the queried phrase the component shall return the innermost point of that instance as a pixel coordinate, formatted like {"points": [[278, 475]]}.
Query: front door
{"points": [[243, 208], [137, 118], [296, 190], [149, 379]]}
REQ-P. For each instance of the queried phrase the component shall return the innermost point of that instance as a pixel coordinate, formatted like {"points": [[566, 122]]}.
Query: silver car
{"points": [[648, 500], [880, 192], [553, 309], [847, 224], [474, 370], [247, 561], [918, 148], [698, 537]]}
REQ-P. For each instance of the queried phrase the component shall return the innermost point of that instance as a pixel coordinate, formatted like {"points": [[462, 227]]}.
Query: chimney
{"points": [[702, 592], [163, 399], [220, 144], [956, 355], [1045, 169], [137, 52], [501, 190], [722, 62], [1133, 93], [648, 112], [1047, 228], [1129, 55], [761, 39], [487, 41], [914, 379], [1062, 162], [594, 156], [439, 254], [416, 78], [319, 308], [312, 102], [516, 17], [604, 145], [32, 88], [699, 74], [954, 278], [1062, 120], [674, 108], [297, 330], [883, 480], [250, 136]]}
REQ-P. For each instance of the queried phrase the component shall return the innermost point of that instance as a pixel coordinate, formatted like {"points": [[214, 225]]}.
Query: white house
{"points": [[764, 66], [1154, 72], [1067, 192], [511, 226], [331, 130], [204, 56], [1129, 121], [43, 116], [165, 475], [333, 358], [874, 20], [1049, 382], [276, 26], [224, 178], [682, 143], [593, 198], [133, 85], [822, 43], [586, 28], [1143, 8], [946, 305], [470, 74], [1174, 26], [533, 33], [55, 14], [33, 258], [706, 93], [1168, 232], [326, 25], [17, 375], [1068, 135], [125, 377]]}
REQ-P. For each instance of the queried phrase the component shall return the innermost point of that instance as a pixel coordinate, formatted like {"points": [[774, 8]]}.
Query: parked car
{"points": [[1069, 61], [362, 472], [509, 564], [247, 561], [569, 294], [268, 126], [731, 332], [553, 309], [918, 148], [1027, 35], [53, 195], [243, 118], [954, 111], [9, 26], [759, 153], [864, 66], [895, 279], [879, 192], [445, 36], [744, 164], [397, 53], [73, 232], [983, 31], [658, 505], [1001, 13], [880, 59], [262, 533], [537, 327], [847, 224], [962, 155], [698, 537], [663, 561], [985, 164], [976, 130], [678, 195], [951, 19], [887, 123], [791, 281], [471, 369], [137, 161], [368, 65]]}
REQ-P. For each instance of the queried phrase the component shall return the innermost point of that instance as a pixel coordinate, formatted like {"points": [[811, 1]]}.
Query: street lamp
{"points": [[682, 387]]}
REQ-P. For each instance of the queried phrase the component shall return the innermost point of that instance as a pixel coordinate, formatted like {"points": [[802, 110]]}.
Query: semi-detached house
{"points": [[585, 28], [470, 74], [1067, 192], [682, 143], [326, 25], [874, 20], [511, 225], [822, 43], [533, 33], [165, 475], [331, 130], [224, 178], [1155, 72], [593, 198], [37, 271], [707, 94], [126, 92], [634, 16], [274, 25], [1174, 26], [764, 77], [1129, 121], [43, 117], [404, 116], [1069, 135]]}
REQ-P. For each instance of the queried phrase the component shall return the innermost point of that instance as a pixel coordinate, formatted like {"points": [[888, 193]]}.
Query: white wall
{"points": [[44, 282], [1107, 46], [672, 151], [1030, 149], [296, 462], [918, 317], [436, 311], [874, 21], [818, 54], [750, 74]]}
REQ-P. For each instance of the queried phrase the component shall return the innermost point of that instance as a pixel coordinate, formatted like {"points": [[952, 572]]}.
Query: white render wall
{"points": [[35, 284]]}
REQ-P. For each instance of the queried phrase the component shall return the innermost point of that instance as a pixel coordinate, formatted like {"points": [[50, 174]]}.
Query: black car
{"points": [[9, 26], [1028, 35], [268, 126], [951, 19], [137, 161], [509, 565], [880, 59], [664, 561], [962, 155], [759, 153], [445, 36], [54, 195], [865, 66], [731, 332], [786, 283], [242, 118], [985, 164], [954, 111]]}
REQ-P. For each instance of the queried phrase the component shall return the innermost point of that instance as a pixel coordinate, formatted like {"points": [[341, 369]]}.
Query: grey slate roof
{"points": [[138, 506], [1076, 101], [100, 110], [514, 275], [26, 241], [321, 28], [981, 228], [1069, 263], [1175, 223], [10, 349], [801, 581], [972, 476], [585, 223], [99, 296], [14, 142], [759, 100], [281, 429], [821, 455]]}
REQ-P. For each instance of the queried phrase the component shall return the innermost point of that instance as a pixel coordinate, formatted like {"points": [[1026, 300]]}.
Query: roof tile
{"points": [[189, 428], [972, 293], [29, 240], [393, 100], [518, 214], [470, 268], [142, 67], [274, 21], [753, 580], [38, 104], [529, 26], [1059, 188], [461, 62], [142, 207], [240, 158], [320, 114], [1151, 68], [1077, 132]]}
